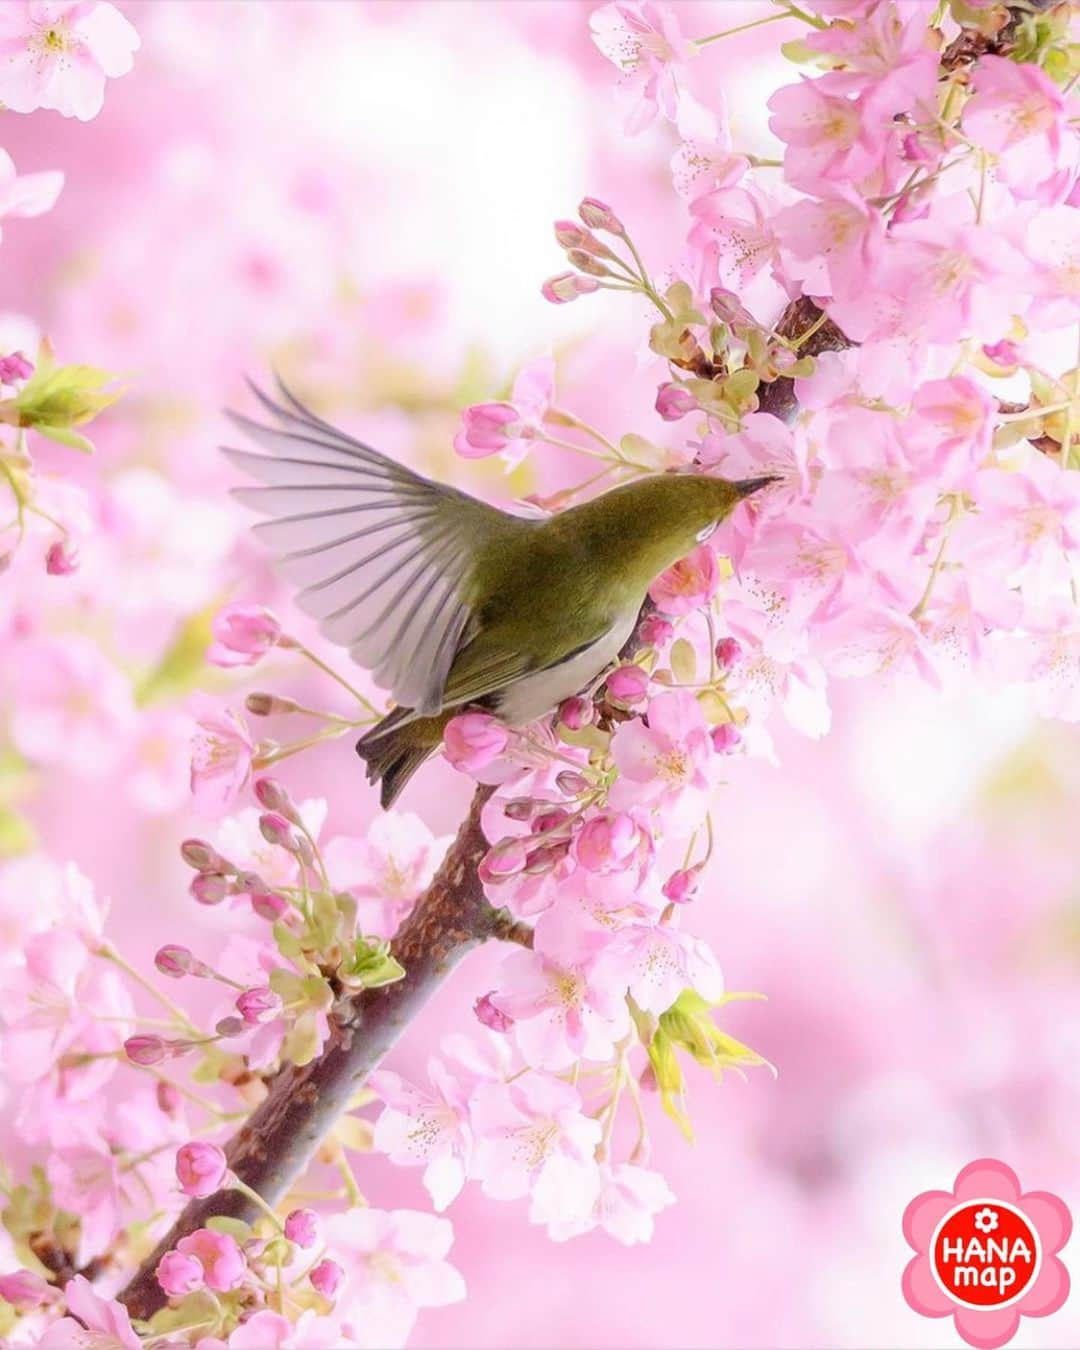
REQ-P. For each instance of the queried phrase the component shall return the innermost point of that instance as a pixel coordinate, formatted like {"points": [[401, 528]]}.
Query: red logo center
{"points": [[985, 1254]]}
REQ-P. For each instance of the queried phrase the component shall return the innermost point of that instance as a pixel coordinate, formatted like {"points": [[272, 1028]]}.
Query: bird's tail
{"points": [[395, 748]]}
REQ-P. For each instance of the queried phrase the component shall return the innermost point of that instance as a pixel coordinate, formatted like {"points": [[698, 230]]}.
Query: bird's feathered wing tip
{"points": [[380, 555]]}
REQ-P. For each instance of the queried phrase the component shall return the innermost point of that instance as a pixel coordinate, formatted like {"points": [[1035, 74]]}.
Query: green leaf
{"points": [[683, 661], [370, 965]]}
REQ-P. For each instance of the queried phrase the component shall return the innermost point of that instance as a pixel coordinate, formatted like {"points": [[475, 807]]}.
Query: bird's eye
{"points": [[702, 535]]}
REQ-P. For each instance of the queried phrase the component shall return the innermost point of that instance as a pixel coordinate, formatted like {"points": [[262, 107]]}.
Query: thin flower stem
{"points": [[233, 1183], [741, 28], [939, 559], [109, 953], [568, 419], [329, 670]]}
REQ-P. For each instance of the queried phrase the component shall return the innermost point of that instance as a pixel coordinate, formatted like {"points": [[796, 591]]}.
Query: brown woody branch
{"points": [[275, 1145]]}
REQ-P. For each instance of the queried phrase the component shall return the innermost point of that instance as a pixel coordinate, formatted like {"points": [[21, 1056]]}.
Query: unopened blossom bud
{"points": [[599, 216], [202, 856], [674, 401], [26, 1291], [549, 820], [493, 1018], [61, 560], [728, 652], [473, 740], [1003, 353], [913, 149], [487, 428], [146, 1050], [302, 1227], [15, 367], [230, 1026], [304, 851], [326, 1278], [176, 962], [261, 704], [259, 1005], [249, 883], [681, 886], [544, 859], [607, 843], [269, 905], [725, 738], [504, 859], [655, 631], [567, 286], [200, 1168], [168, 1098], [243, 634], [627, 684], [274, 796], [569, 234], [179, 1274], [209, 888], [519, 808], [585, 262], [575, 713], [571, 783], [275, 829]]}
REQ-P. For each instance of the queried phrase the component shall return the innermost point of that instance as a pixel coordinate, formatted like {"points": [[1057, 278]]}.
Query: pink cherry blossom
{"points": [[58, 54], [221, 757], [689, 585], [657, 962], [830, 138], [627, 1201], [103, 1323], [1020, 116], [387, 868], [473, 740], [243, 634], [179, 1274], [31, 194], [644, 40], [429, 1130], [563, 1009], [665, 764], [506, 428], [394, 1265]]}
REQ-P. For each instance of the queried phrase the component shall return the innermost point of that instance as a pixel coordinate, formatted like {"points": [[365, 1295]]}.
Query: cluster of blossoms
{"points": [[920, 240]]}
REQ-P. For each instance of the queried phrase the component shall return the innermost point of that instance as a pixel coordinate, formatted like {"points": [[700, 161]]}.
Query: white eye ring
{"points": [[704, 534]]}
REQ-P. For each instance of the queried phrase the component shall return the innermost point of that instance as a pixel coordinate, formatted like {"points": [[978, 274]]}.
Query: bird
{"points": [[451, 603]]}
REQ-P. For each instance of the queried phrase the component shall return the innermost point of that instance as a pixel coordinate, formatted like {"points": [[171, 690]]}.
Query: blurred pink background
{"points": [[362, 194]]}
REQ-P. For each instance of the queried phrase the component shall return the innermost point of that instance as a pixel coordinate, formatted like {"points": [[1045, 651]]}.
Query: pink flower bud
{"points": [[681, 886], [585, 262], [655, 631], [230, 1026], [179, 1274], [209, 888], [261, 704], [1003, 353], [326, 1278], [473, 740], [504, 859], [275, 829], [913, 149], [61, 560], [571, 784], [219, 1254], [274, 796], [599, 216], [567, 286], [176, 962], [544, 859], [487, 428], [243, 634], [259, 1005], [674, 401], [608, 843], [549, 820], [725, 738], [202, 856], [519, 808], [302, 1227], [493, 1018], [168, 1098], [24, 1290], [14, 368], [575, 713], [145, 1050], [200, 1168], [627, 684], [269, 905], [728, 652], [569, 234]]}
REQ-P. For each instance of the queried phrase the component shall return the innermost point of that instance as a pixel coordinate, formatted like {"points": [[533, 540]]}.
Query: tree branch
{"points": [[281, 1136]]}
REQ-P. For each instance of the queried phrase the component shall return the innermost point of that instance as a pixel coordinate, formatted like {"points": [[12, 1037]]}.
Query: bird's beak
{"points": [[746, 487]]}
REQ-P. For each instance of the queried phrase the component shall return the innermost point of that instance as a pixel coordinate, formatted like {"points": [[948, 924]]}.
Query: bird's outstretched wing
{"points": [[382, 557]]}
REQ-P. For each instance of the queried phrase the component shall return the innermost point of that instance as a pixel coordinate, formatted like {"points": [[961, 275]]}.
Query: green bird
{"points": [[449, 602]]}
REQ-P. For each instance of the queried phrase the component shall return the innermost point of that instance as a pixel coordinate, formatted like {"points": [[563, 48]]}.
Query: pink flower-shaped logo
{"points": [[986, 1253]]}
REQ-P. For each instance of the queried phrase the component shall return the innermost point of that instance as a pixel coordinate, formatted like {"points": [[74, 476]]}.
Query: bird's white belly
{"points": [[535, 695]]}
